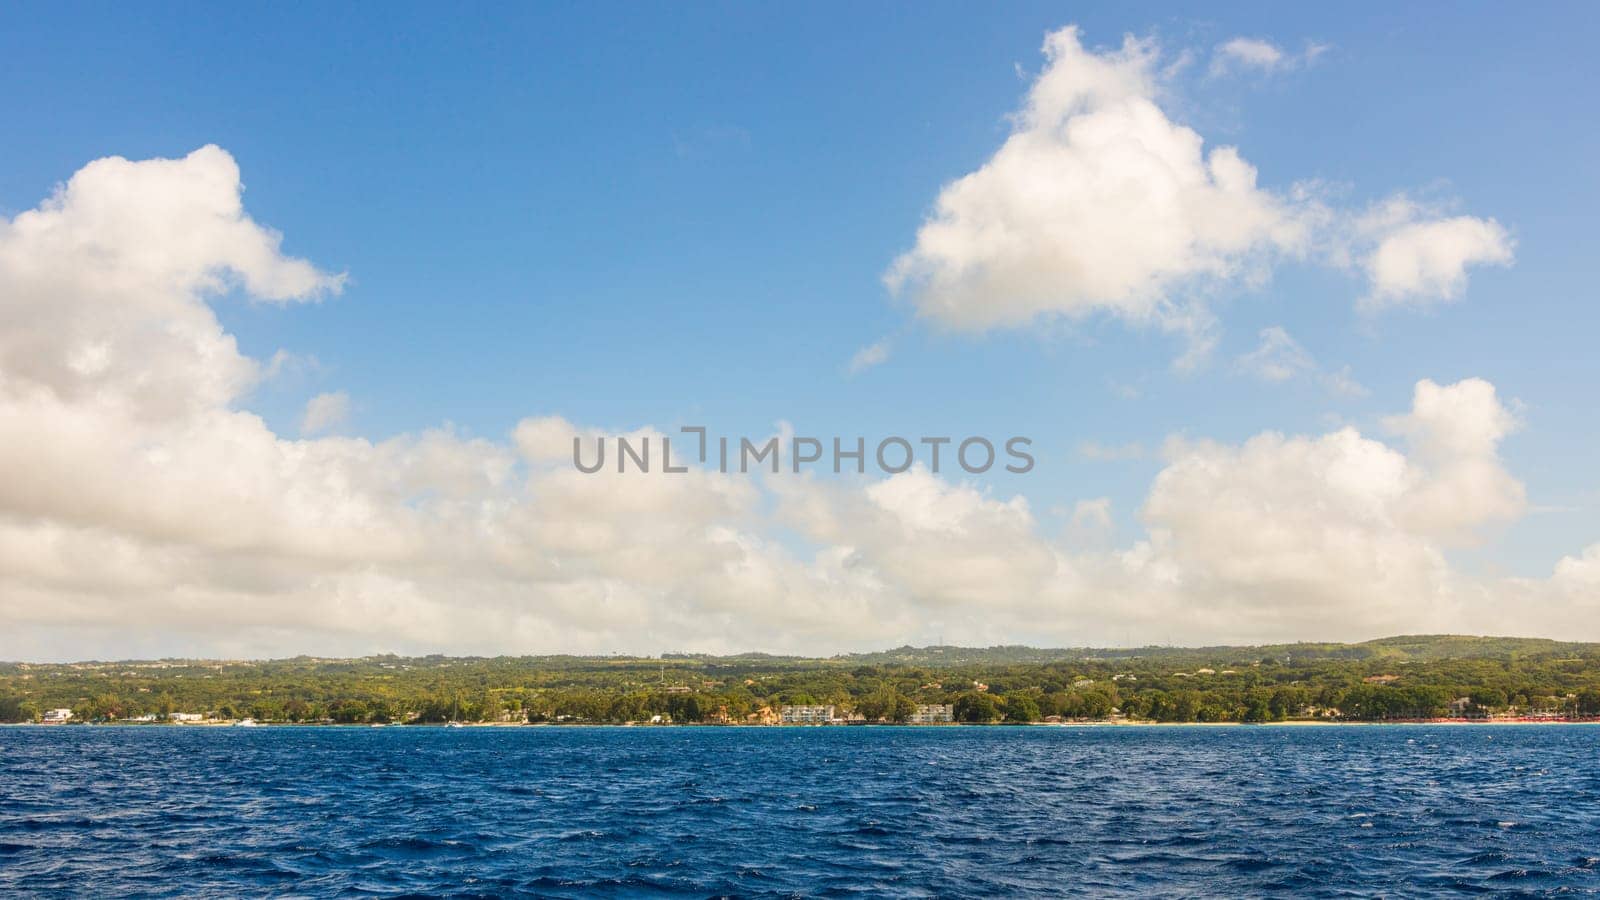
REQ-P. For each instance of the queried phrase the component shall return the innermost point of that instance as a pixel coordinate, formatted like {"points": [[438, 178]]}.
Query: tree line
{"points": [[1217, 685]]}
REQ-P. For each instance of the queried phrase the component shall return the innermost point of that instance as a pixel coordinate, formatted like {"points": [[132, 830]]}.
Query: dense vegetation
{"points": [[1394, 678]]}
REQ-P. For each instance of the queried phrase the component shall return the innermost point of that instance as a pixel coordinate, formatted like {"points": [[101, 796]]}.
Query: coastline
{"points": [[1288, 723]]}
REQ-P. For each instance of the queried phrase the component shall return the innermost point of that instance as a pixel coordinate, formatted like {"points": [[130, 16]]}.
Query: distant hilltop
{"points": [[1400, 648], [1417, 677], [1414, 647]]}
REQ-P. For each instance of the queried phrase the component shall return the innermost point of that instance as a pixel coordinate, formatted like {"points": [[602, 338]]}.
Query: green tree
{"points": [[13, 709], [975, 707], [1488, 698], [1589, 702], [902, 709], [1021, 708]]}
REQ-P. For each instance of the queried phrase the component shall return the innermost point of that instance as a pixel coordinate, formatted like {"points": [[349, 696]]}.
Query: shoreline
{"points": [[1291, 723]]}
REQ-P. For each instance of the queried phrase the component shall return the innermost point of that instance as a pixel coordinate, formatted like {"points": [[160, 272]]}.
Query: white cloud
{"points": [[1454, 433], [324, 412], [1291, 533], [1340, 529], [875, 354], [933, 548], [1091, 523], [1337, 535], [1279, 537], [1423, 262], [1580, 570], [1343, 384], [1279, 357], [1099, 203], [137, 492], [1256, 54], [1096, 202], [142, 508], [1247, 52], [102, 283]]}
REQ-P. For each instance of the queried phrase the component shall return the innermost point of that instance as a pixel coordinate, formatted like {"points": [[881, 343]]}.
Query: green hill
{"points": [[1411, 676]]}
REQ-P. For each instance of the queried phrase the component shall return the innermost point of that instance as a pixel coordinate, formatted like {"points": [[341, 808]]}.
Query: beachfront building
{"points": [[766, 715], [932, 714], [57, 716], [805, 715], [184, 717]]}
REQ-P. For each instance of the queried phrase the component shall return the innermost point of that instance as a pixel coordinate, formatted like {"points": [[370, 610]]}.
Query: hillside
{"points": [[1413, 676], [1397, 649]]}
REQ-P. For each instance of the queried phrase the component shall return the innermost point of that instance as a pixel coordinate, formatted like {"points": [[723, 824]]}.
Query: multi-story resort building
{"points": [[932, 714], [806, 715]]}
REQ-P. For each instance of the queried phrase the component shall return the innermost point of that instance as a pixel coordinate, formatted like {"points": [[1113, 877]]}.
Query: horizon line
{"points": [[670, 655]]}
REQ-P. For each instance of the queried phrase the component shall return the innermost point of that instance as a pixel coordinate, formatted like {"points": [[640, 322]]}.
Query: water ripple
{"points": [[575, 812]]}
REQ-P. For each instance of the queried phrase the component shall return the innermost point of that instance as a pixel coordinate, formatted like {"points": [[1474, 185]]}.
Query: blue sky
{"points": [[684, 214]]}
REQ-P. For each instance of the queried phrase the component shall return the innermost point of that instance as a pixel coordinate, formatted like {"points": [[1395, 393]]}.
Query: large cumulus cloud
{"points": [[145, 509], [1098, 202]]}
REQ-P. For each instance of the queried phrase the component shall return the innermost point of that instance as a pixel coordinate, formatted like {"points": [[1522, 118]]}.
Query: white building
{"points": [[932, 714], [57, 716], [805, 715], [184, 717]]}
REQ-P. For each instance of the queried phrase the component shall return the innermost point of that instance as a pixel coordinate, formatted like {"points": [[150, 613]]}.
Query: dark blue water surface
{"points": [[1399, 810]]}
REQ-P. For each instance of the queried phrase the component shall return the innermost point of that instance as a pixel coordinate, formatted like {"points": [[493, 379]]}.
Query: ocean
{"points": [[842, 811]]}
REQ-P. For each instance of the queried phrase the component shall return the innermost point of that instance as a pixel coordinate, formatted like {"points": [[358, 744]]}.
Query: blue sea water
{"points": [[1395, 810]]}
